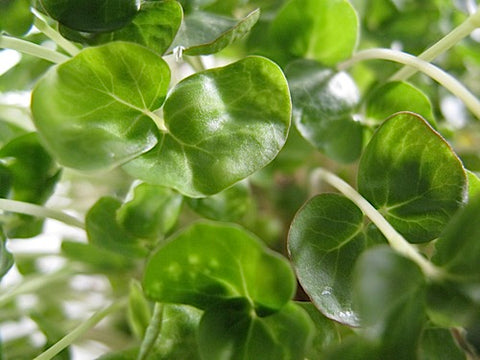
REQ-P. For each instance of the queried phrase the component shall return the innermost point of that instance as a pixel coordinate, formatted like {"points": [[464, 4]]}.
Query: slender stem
{"points": [[40, 211], [439, 75], [396, 241], [29, 48], [152, 332], [80, 330], [34, 283], [41, 24], [444, 44]]}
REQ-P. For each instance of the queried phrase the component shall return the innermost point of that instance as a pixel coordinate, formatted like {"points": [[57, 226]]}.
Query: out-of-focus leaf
{"points": [[438, 344], [6, 258], [15, 16]]}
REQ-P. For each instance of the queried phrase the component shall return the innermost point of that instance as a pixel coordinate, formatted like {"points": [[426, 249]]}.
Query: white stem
{"points": [[29, 48], [395, 239], [439, 75], [40, 211], [41, 24], [444, 44], [80, 330]]}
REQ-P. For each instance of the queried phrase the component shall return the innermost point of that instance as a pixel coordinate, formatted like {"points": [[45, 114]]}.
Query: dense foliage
{"points": [[217, 141]]}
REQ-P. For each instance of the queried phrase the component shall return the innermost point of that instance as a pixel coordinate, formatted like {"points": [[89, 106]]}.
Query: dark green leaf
{"points": [[154, 26], [323, 30], [15, 16], [204, 33], [323, 105], [458, 249], [90, 15], [209, 263], [325, 239], [96, 110], [233, 332], [6, 258], [229, 205], [104, 231], [396, 96], [438, 344], [354, 348], [223, 125], [152, 212], [389, 293], [412, 176]]}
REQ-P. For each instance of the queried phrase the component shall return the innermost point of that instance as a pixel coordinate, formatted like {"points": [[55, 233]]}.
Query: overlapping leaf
{"points": [[96, 110], [208, 263], [223, 125], [411, 174], [323, 109]]}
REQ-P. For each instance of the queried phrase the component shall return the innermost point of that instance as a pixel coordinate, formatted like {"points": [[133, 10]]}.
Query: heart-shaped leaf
{"points": [[90, 15], [233, 332], [325, 239], [323, 105], [323, 30], [95, 110], [209, 263], [412, 176], [223, 125], [204, 33]]}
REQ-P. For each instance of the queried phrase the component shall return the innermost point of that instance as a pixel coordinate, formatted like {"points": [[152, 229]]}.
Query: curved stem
{"points": [[80, 330], [41, 24], [395, 239], [152, 332], [29, 48], [40, 211], [439, 75], [444, 44]]}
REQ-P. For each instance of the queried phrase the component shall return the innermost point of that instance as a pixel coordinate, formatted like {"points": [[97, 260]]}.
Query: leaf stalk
{"points": [[29, 48]]}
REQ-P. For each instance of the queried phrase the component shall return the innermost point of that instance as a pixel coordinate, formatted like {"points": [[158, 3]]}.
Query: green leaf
{"points": [[325, 239], [438, 344], [473, 184], [223, 125], [154, 26], [233, 332], [138, 312], [104, 231], [323, 106], [389, 292], [204, 33], [151, 213], [90, 15], [229, 205], [6, 258], [322, 30], [396, 96], [9, 131], [15, 16], [354, 348], [458, 249], [412, 176], [209, 263], [96, 110]]}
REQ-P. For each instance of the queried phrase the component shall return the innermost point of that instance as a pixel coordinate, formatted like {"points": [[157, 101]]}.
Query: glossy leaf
{"points": [[90, 15], [104, 231], [155, 26], [323, 30], [151, 213], [325, 239], [390, 297], [208, 263], [397, 96], [233, 332], [223, 125], [323, 106], [15, 16], [410, 173], [95, 110], [229, 205], [458, 249], [6, 258], [204, 33], [438, 344]]}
